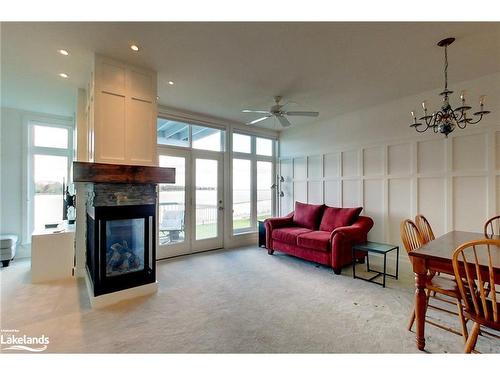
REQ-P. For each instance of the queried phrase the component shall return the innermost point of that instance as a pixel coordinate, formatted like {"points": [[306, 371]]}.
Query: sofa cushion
{"points": [[334, 217], [307, 215], [289, 235], [316, 240]]}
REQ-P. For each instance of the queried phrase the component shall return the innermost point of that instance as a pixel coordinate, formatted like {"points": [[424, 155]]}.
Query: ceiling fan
{"points": [[279, 113]]}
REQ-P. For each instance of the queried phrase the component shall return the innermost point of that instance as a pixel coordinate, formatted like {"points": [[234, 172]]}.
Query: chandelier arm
{"points": [[475, 122], [421, 131], [457, 120]]}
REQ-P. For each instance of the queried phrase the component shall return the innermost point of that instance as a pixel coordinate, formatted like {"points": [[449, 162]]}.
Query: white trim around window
{"points": [[253, 158], [29, 150]]}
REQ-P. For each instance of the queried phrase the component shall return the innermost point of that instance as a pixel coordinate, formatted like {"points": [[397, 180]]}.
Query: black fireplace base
{"points": [[100, 223]]}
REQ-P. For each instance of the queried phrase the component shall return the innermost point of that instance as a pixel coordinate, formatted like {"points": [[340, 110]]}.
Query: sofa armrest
{"points": [[275, 223], [343, 238], [358, 230]]}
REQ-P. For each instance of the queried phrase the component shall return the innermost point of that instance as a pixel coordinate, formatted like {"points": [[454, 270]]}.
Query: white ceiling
{"points": [[221, 68]]}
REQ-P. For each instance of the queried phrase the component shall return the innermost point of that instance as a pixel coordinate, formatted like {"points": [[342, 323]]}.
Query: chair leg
{"points": [[428, 296], [471, 340], [412, 320], [412, 317], [463, 323]]}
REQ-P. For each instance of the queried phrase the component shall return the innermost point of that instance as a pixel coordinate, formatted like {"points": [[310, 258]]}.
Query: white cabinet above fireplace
{"points": [[122, 114]]}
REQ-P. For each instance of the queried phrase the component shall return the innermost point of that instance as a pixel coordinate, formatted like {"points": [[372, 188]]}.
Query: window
{"points": [[242, 194], [264, 146], [242, 143], [207, 138], [264, 191], [182, 134], [253, 170], [49, 163], [172, 133], [46, 136]]}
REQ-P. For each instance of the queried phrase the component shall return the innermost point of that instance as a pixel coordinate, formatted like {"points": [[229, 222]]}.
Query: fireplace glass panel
{"points": [[125, 241]]}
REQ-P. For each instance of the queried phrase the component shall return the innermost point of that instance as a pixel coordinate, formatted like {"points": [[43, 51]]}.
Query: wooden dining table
{"points": [[436, 255]]}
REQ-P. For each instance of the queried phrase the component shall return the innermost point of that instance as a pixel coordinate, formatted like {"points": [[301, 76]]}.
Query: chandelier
{"points": [[446, 119]]}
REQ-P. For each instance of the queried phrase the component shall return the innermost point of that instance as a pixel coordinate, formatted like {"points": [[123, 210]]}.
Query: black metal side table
{"points": [[379, 248], [262, 234]]}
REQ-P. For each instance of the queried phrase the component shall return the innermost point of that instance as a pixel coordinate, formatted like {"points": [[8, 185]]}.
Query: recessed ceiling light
{"points": [[63, 52], [134, 47], [171, 83], [63, 75]]}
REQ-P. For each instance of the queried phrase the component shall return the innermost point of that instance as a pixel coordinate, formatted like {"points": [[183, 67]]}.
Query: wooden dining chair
{"points": [[475, 275], [424, 228], [435, 285], [492, 227]]}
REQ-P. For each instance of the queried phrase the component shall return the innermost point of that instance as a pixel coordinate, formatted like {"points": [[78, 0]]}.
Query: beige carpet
{"points": [[236, 301]]}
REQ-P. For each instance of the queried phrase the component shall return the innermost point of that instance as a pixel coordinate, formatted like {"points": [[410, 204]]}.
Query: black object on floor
{"points": [[379, 248], [262, 234]]}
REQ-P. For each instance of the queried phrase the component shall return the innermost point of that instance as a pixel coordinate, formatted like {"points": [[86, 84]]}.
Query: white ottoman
{"points": [[8, 244]]}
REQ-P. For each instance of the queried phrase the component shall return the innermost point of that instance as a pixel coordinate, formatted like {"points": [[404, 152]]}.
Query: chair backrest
{"points": [[475, 275], [424, 228], [172, 220], [411, 237], [492, 227]]}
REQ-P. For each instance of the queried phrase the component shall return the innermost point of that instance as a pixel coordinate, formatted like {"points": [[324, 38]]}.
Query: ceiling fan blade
{"points": [[258, 120], [302, 113], [254, 111], [284, 121]]}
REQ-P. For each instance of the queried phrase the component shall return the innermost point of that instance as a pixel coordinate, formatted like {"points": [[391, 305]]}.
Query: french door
{"points": [[190, 215]]}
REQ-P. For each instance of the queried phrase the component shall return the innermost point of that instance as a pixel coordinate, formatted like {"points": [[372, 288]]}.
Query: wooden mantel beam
{"points": [[121, 174]]}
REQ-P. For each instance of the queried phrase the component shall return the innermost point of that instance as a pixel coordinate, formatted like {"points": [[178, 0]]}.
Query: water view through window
{"points": [[172, 206], [49, 172]]}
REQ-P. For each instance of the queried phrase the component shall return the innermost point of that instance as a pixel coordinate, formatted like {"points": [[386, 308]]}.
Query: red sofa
{"points": [[319, 233]]}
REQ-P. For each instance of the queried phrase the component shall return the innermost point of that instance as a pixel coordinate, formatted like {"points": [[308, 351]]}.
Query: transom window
{"points": [[182, 134]]}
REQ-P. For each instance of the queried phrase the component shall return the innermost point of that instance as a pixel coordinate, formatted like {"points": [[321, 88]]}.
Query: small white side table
{"points": [[52, 253]]}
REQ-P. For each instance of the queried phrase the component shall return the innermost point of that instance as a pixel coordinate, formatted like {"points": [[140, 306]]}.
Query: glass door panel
{"points": [[208, 206], [206, 198], [172, 209], [172, 206], [190, 216]]}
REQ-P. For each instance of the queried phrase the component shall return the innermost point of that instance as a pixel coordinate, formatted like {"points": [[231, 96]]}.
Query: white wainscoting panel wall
{"points": [[454, 182]]}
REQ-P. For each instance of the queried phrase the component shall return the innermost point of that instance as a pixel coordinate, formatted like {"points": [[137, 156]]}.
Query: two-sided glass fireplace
{"points": [[120, 247]]}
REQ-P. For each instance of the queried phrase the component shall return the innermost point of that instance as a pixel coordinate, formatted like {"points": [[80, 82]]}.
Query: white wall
{"points": [[373, 159], [11, 135], [13, 149]]}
